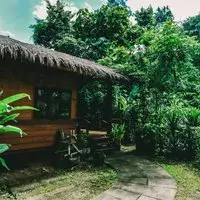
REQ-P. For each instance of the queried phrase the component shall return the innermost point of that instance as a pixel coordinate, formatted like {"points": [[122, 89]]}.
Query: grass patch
{"points": [[186, 175], [77, 184]]}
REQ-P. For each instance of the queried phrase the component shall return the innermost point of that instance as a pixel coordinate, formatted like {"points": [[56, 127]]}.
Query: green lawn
{"points": [[80, 183], [187, 176]]}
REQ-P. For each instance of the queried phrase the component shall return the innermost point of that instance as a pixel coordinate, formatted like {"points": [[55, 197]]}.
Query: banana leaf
{"points": [[16, 108], [3, 163], [9, 118], [4, 108], [11, 129], [15, 97], [4, 147]]}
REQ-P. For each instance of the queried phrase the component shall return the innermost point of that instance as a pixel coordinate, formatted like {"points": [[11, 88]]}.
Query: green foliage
{"points": [[124, 106], [46, 32], [93, 31], [117, 2], [77, 47], [6, 116], [160, 106], [118, 132], [110, 22], [14, 98], [91, 102], [193, 117], [4, 147], [181, 139], [162, 65], [192, 26], [163, 15], [3, 163], [145, 17]]}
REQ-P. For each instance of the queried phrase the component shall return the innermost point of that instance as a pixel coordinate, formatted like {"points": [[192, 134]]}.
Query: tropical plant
{"points": [[118, 132], [7, 114], [193, 116]]}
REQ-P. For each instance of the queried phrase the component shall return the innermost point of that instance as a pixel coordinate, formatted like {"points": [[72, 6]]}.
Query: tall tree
{"points": [[96, 31], [192, 26], [110, 22], [93, 31], [163, 15], [117, 2], [145, 17], [57, 24]]}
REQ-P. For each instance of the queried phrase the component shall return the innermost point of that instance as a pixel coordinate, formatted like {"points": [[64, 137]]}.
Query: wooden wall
{"points": [[40, 133]]}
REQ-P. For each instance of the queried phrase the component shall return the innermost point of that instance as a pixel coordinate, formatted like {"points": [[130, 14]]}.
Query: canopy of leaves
{"points": [[47, 31], [163, 15], [117, 2], [93, 31], [148, 17], [145, 17], [110, 22], [192, 26]]}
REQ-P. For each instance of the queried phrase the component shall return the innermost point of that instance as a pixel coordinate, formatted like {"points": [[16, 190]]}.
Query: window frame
{"points": [[36, 114]]}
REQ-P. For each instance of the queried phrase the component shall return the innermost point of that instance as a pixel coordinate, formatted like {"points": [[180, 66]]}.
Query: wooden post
{"points": [[74, 104], [108, 106]]}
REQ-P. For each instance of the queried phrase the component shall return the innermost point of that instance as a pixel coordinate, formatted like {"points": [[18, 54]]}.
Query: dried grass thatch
{"points": [[29, 53]]}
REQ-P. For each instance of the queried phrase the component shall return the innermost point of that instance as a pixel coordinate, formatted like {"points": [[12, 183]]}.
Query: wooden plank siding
{"points": [[39, 133]]}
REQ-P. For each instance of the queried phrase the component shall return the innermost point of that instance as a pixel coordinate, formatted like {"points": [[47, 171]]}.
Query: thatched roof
{"points": [[29, 53]]}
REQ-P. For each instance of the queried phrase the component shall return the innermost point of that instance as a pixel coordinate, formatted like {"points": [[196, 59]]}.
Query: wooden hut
{"points": [[52, 79]]}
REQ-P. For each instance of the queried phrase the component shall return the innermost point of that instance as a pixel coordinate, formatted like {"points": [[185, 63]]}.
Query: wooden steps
{"points": [[102, 144]]}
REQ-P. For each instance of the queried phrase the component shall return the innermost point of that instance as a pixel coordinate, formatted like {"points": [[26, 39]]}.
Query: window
{"points": [[53, 103]]}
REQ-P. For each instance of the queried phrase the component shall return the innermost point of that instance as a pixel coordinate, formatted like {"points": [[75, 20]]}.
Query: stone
{"points": [[122, 194], [145, 198], [162, 182], [150, 191], [139, 179]]}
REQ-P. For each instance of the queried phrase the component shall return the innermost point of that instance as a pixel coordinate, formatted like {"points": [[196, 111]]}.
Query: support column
{"points": [[108, 106], [74, 104]]}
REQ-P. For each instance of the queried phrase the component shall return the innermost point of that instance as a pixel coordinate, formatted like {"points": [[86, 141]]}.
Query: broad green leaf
{"points": [[3, 163], [15, 97], [4, 147], [10, 129], [4, 108], [9, 118], [16, 108]]}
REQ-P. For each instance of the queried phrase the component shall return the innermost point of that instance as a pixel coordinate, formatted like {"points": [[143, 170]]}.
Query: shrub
{"points": [[175, 133], [117, 133], [180, 136]]}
